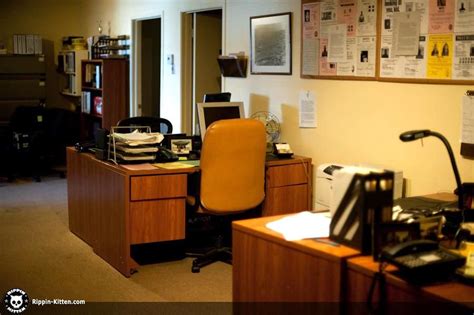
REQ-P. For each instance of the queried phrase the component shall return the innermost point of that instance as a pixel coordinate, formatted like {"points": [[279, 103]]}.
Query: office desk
{"points": [[361, 271], [267, 268], [112, 207]]}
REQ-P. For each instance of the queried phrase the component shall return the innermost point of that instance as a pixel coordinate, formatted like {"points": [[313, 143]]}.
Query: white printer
{"points": [[324, 188]]}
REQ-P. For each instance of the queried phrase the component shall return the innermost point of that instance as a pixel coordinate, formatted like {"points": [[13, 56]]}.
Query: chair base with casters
{"points": [[218, 253], [212, 242]]}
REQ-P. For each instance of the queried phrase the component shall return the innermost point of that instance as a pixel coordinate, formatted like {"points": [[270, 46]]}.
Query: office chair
{"points": [[29, 141], [157, 124], [231, 179]]}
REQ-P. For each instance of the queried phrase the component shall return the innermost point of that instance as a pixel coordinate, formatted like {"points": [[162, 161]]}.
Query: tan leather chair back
{"points": [[233, 166]]}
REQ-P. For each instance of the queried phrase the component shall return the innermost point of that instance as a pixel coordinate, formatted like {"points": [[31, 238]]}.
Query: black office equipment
{"points": [[166, 155], [422, 260], [419, 134], [217, 97], [366, 200]]}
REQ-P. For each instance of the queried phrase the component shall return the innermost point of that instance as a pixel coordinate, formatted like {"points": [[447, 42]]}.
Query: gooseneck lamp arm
{"points": [[418, 134]]}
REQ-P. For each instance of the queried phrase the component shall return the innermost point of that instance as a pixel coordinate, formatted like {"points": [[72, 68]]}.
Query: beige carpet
{"points": [[39, 255]]}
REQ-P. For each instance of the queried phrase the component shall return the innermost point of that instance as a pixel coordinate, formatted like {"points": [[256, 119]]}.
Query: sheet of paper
{"points": [[406, 33], [138, 167], [302, 225], [173, 165], [467, 132], [307, 110]]}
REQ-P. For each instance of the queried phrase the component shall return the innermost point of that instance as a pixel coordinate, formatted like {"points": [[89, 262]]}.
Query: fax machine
{"points": [[324, 184]]}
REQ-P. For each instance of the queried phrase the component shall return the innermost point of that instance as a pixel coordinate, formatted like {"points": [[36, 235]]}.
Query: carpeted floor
{"points": [[39, 255]]}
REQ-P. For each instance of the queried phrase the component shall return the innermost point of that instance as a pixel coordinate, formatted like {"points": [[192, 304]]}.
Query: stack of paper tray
{"points": [[134, 146]]}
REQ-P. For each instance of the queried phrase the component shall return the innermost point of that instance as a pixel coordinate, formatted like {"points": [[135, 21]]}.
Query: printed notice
{"points": [[406, 32], [307, 110], [440, 49], [467, 132]]}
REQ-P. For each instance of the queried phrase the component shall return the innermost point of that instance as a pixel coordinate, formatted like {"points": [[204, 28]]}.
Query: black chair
{"points": [[29, 141], [157, 124]]}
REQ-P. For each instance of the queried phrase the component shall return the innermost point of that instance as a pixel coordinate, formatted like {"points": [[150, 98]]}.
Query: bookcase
{"points": [[69, 63], [105, 94]]}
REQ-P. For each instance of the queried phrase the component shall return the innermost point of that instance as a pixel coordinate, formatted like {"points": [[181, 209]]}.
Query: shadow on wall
{"points": [[258, 103]]}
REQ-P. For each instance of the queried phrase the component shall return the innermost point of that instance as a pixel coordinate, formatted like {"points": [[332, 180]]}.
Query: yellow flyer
{"points": [[440, 56]]}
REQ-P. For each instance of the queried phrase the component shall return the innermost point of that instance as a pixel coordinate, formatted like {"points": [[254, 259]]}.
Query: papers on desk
{"points": [[136, 138], [302, 225], [173, 165]]}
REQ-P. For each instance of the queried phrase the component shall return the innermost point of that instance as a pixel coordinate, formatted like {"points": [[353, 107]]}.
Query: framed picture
{"points": [[393, 233], [179, 143], [270, 44]]}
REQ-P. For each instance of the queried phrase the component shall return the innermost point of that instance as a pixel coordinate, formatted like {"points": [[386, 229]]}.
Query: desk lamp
{"points": [[419, 134]]}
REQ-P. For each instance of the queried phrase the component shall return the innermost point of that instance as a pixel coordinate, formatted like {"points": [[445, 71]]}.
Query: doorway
{"points": [[146, 67], [202, 44]]}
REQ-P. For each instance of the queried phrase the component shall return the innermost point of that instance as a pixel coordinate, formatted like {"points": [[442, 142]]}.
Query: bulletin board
{"points": [[420, 41]]}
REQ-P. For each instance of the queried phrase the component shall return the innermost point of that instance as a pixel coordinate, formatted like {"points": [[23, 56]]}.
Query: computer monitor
{"points": [[217, 97], [211, 112]]}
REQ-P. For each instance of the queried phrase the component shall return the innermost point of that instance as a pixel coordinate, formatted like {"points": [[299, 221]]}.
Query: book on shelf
{"points": [[86, 102], [98, 105]]}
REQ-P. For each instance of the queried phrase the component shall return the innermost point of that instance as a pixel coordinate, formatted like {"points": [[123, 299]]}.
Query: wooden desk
{"points": [[361, 271], [112, 207], [267, 268]]}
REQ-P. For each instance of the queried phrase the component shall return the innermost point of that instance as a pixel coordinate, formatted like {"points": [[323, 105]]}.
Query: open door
{"points": [[202, 44]]}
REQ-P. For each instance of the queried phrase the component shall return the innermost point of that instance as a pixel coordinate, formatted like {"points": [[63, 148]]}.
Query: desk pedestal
{"points": [[266, 268]]}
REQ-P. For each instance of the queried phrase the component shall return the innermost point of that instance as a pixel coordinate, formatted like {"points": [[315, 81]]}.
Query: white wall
{"points": [[358, 122]]}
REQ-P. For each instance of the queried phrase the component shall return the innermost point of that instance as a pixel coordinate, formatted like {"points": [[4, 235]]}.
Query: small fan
{"points": [[272, 125]]}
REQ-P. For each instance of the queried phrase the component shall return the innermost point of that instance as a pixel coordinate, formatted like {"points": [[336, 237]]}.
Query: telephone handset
{"points": [[422, 259]]}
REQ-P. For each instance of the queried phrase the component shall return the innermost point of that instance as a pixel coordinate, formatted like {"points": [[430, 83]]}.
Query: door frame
{"points": [[135, 64]]}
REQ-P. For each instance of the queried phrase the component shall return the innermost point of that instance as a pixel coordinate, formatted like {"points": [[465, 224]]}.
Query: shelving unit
{"points": [[69, 63], [105, 94]]}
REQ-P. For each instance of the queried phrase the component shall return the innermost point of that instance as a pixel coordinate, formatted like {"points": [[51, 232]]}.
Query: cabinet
{"points": [[105, 94], [22, 82], [288, 186], [69, 63]]}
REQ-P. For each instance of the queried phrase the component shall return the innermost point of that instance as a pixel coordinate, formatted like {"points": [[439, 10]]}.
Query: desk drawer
{"points": [[157, 187], [285, 175], [157, 220]]}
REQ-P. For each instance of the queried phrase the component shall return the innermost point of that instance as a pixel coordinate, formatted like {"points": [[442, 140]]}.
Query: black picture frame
{"points": [[180, 144], [270, 44]]}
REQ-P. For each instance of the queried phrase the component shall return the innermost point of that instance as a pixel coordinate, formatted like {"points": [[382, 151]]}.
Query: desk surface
{"points": [[257, 227]]}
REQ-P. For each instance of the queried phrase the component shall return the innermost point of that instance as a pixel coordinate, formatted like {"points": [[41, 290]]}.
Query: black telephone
{"points": [[166, 155], [422, 260], [282, 150]]}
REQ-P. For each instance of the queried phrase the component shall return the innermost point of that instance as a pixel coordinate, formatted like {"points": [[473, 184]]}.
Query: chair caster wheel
{"points": [[195, 269]]}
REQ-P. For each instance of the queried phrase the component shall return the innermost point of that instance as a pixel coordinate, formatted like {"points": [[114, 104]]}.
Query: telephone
{"points": [[166, 155], [282, 150], [422, 260]]}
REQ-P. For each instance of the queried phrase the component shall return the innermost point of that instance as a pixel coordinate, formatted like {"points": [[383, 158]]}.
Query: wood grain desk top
{"points": [[151, 170], [256, 227], [450, 291]]}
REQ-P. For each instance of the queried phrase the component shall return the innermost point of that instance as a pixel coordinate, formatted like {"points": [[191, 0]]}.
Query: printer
{"points": [[324, 187]]}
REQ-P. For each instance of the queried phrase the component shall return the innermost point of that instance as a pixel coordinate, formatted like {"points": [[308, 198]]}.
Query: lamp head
{"points": [[415, 135]]}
